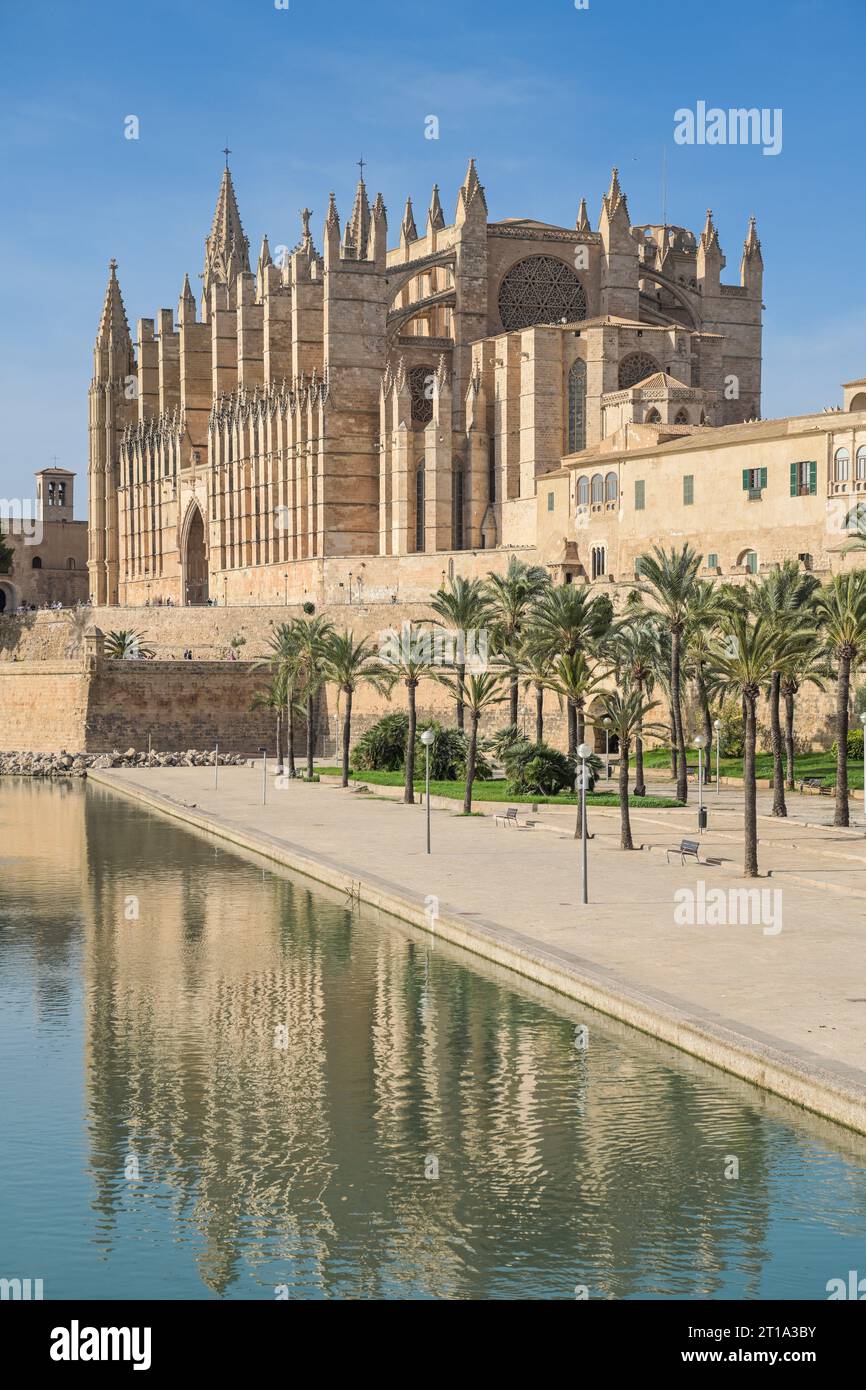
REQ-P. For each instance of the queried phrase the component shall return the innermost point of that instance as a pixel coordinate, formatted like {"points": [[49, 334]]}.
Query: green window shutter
{"points": [[688, 490], [746, 483], [763, 477], [813, 477], [639, 495], [550, 501], [793, 479]]}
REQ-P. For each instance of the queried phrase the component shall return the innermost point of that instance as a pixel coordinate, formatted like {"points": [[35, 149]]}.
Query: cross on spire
{"points": [[227, 152], [361, 163]]}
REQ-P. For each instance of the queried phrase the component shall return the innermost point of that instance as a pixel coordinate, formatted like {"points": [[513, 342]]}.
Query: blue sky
{"points": [[546, 97]]}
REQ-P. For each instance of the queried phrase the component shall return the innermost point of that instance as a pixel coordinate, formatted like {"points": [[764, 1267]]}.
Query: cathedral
{"points": [[359, 409]]}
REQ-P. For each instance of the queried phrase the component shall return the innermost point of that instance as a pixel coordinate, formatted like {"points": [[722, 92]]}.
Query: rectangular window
{"points": [[804, 478], [550, 501], [754, 481], [639, 495], [712, 561], [688, 489]]}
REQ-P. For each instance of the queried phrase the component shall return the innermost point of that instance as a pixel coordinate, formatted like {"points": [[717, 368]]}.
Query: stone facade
{"points": [[333, 409], [49, 548]]}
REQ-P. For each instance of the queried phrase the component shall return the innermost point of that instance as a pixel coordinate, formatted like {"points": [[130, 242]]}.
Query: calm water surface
{"points": [[246, 1088]]}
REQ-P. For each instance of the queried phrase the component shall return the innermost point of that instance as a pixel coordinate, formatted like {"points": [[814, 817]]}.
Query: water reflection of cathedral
{"points": [[298, 1157]]}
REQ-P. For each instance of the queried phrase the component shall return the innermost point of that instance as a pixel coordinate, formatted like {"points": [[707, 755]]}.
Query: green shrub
{"points": [[382, 747], [855, 746], [731, 717], [503, 740], [537, 769], [448, 753]]}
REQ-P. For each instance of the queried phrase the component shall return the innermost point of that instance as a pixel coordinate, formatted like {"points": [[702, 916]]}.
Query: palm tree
{"points": [[478, 693], [123, 643], [347, 664], [535, 667], [707, 605], [745, 661], [466, 607], [273, 697], [638, 654], [804, 668], [284, 659], [669, 577], [408, 660], [840, 607], [627, 710], [782, 597], [575, 679], [511, 595], [567, 619], [314, 637]]}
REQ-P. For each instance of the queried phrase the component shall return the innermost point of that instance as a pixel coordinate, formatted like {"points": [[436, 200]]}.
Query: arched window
{"points": [[421, 392], [861, 462], [457, 509], [597, 559], [749, 559], [583, 491], [597, 488], [70, 563], [420, 495], [610, 488], [840, 465], [681, 417], [577, 407], [636, 367], [652, 417], [36, 562]]}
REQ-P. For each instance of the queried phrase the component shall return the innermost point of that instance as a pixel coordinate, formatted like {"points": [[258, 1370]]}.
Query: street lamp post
{"points": [[286, 590], [264, 753], [583, 752], [606, 722], [717, 725], [427, 738], [216, 765], [863, 727], [700, 743], [350, 586]]}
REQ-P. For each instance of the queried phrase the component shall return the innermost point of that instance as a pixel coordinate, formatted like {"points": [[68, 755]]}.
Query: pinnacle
{"points": [[410, 231], [113, 322], [435, 215], [227, 248], [582, 223]]}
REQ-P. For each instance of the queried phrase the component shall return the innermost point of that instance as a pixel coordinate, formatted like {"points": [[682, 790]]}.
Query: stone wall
{"points": [[43, 706]]}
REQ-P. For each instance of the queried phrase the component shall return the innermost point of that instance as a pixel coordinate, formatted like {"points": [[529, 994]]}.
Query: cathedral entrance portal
{"points": [[195, 561]]}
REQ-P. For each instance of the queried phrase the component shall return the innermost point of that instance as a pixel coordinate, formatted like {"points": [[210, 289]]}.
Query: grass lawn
{"points": [[807, 765], [496, 790]]}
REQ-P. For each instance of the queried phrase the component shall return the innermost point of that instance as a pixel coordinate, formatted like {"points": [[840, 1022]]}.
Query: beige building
{"points": [[365, 411], [747, 496], [49, 548]]}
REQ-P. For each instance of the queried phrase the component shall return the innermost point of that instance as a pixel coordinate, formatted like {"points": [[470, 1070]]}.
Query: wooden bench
{"points": [[816, 784], [688, 849], [508, 818]]}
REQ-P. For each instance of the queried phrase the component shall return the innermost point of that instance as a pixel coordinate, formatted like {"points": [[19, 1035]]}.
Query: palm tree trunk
{"points": [[625, 840], [512, 700], [311, 736], [673, 736], [579, 727], [676, 709], [779, 807], [703, 701], [843, 685], [750, 861], [461, 676], [347, 733], [471, 755], [789, 738], [539, 714], [575, 731], [290, 732], [409, 785], [279, 738]]}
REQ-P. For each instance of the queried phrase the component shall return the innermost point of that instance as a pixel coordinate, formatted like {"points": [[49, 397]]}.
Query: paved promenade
{"points": [[778, 997]]}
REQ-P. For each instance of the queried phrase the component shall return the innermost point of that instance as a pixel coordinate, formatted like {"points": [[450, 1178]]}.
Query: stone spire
{"points": [[435, 215], [709, 236], [582, 223], [357, 233], [186, 303], [113, 325], [227, 250], [408, 229], [752, 244], [471, 194], [614, 199], [264, 254]]}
